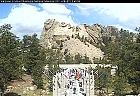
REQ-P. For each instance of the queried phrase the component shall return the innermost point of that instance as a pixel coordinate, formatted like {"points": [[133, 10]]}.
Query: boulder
{"points": [[34, 87], [9, 87]]}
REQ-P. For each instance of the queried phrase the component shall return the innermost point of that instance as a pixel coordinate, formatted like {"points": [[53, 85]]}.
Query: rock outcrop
{"points": [[77, 39]]}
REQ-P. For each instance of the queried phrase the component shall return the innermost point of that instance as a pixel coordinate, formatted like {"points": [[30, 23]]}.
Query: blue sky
{"points": [[29, 18]]}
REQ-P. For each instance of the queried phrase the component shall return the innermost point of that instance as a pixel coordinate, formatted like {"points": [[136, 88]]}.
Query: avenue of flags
{"points": [[66, 79], [74, 72], [69, 78]]}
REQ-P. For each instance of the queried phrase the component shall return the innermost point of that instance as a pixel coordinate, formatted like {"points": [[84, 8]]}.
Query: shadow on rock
{"points": [[11, 94]]}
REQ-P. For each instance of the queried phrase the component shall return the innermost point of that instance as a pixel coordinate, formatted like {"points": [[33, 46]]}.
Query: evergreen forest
{"points": [[16, 53]]}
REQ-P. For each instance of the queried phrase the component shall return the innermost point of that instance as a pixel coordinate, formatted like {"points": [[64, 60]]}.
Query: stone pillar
{"points": [[56, 89], [55, 86], [59, 81], [83, 76], [92, 85], [62, 82], [84, 81], [88, 85], [64, 79]]}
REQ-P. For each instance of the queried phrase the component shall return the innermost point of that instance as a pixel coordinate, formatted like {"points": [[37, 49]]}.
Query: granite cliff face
{"points": [[80, 39]]}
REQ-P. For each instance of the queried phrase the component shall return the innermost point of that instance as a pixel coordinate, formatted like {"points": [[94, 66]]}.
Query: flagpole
{"points": [[89, 83], [57, 84], [98, 77]]}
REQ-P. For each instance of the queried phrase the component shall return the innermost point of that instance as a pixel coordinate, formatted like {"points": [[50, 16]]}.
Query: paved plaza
{"points": [[77, 81]]}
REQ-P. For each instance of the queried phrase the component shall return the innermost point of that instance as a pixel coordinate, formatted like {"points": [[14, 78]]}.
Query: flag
{"points": [[80, 75], [69, 74], [77, 76]]}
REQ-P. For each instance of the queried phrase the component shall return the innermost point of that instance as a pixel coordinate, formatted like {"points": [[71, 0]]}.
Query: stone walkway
{"points": [[69, 83]]}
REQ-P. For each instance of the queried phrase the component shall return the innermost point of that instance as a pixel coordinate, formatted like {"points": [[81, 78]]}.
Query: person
{"points": [[70, 82], [65, 93], [80, 84], [68, 86], [85, 94], [74, 89]]}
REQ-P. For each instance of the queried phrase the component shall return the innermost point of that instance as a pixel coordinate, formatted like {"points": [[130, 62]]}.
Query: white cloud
{"points": [[128, 13], [123, 11], [55, 8], [27, 19], [124, 28]]}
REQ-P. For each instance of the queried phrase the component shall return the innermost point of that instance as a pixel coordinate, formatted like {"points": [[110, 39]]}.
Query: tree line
{"points": [[125, 54], [17, 54]]}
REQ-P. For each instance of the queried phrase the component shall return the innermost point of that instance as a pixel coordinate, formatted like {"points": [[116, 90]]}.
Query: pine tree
{"points": [[72, 36], [78, 58], [82, 39], [86, 60], [35, 58], [69, 59], [10, 56]]}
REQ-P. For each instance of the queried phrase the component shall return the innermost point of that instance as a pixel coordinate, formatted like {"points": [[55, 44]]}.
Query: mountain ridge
{"points": [[82, 39]]}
